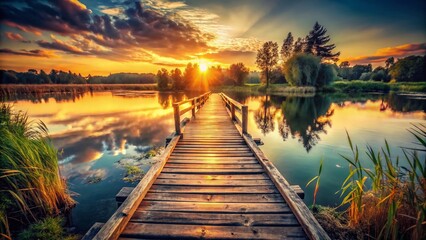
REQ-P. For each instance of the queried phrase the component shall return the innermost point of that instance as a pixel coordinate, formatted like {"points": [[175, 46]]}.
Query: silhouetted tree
{"points": [[299, 46], [287, 47], [317, 44], [177, 79], [344, 64], [267, 58], [389, 62], [238, 72], [162, 79], [215, 76], [190, 75], [44, 78]]}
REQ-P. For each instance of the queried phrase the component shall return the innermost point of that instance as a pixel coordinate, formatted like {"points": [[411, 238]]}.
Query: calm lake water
{"points": [[95, 130]]}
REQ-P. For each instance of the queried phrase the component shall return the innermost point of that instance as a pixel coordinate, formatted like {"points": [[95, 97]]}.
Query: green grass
{"points": [[47, 229], [31, 187], [358, 86]]}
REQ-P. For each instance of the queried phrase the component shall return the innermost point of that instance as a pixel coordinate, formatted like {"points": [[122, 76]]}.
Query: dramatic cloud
{"points": [[14, 36], [23, 52], [60, 45], [384, 53], [135, 27]]}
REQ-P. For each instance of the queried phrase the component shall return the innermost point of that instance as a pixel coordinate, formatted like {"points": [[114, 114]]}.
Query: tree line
{"points": [[408, 69], [304, 62], [191, 78], [32, 76]]}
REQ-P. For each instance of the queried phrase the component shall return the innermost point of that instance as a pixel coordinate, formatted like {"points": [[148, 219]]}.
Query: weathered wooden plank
{"points": [[227, 219], [210, 176], [179, 231], [213, 182], [213, 190], [212, 170], [96, 227], [214, 166], [223, 198], [115, 225], [214, 207], [123, 194], [212, 161], [311, 226]]}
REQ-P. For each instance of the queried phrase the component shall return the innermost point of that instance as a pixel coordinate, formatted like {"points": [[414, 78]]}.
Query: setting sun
{"points": [[203, 67]]}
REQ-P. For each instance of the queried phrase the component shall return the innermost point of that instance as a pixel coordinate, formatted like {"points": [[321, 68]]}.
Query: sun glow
{"points": [[203, 67]]}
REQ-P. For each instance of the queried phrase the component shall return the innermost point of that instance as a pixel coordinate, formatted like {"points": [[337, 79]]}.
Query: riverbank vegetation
{"points": [[31, 187], [384, 194]]}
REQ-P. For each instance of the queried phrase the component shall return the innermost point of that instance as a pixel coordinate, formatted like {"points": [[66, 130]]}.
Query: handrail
{"points": [[196, 104], [232, 105]]}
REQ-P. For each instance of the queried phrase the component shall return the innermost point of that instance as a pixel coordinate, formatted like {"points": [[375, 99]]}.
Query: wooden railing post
{"points": [[194, 101], [233, 111], [244, 113], [177, 118]]}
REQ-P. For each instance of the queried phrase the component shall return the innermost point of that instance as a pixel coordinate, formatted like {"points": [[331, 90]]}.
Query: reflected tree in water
{"points": [[265, 116], [305, 119]]}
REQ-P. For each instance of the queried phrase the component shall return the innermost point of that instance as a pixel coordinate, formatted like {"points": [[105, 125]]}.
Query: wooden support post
{"points": [[177, 118], [232, 112], [193, 102], [244, 111]]}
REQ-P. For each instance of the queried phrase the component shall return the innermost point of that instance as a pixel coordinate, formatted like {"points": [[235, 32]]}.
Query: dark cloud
{"points": [[59, 45], [137, 28], [23, 52]]}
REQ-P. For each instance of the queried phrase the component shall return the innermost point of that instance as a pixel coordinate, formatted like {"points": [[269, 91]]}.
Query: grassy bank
{"points": [[31, 187], [10, 90], [357, 86], [279, 89], [384, 196]]}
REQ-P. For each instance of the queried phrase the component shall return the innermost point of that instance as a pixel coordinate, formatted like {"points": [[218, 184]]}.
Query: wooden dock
{"points": [[212, 182]]}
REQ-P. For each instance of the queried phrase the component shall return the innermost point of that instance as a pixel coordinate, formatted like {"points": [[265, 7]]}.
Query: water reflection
{"points": [[305, 119], [93, 130], [264, 116]]}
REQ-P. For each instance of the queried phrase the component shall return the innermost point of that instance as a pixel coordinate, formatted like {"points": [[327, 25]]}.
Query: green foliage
{"points": [[30, 185], [287, 47], [365, 76], [238, 72], [394, 206], [302, 69], [123, 78], [267, 58], [361, 86], [46, 229], [317, 43], [163, 79], [409, 69], [317, 183], [326, 75]]}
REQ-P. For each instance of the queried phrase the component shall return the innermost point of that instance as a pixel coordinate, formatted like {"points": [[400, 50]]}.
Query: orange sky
{"points": [[101, 37]]}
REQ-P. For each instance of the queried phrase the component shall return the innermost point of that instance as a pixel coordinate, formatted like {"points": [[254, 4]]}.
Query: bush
{"points": [[409, 69], [362, 86], [365, 76], [31, 187], [326, 75], [302, 69], [46, 229]]}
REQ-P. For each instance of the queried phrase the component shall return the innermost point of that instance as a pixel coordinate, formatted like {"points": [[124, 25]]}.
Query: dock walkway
{"points": [[212, 182]]}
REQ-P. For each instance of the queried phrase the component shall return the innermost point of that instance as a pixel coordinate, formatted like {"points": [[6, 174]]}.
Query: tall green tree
{"points": [[409, 69], [162, 79], [267, 58], [238, 72], [287, 47], [317, 44]]}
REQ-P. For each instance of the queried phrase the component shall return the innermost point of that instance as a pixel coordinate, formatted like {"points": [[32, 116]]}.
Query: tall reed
{"points": [[393, 207], [30, 184]]}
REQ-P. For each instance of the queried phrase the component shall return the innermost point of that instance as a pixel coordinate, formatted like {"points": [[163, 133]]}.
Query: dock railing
{"points": [[195, 104], [235, 107]]}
